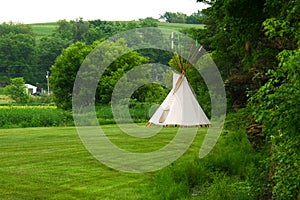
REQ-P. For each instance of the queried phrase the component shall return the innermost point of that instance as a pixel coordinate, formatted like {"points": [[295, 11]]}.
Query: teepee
{"points": [[180, 107]]}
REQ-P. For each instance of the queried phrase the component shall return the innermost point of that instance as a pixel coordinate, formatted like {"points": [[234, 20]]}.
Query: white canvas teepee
{"points": [[180, 107]]}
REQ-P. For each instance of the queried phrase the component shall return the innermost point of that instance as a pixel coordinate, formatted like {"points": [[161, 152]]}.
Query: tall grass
{"points": [[33, 116], [226, 173], [37, 115], [139, 113], [231, 171]]}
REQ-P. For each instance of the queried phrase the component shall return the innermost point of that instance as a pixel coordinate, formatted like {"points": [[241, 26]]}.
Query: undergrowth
{"points": [[232, 170]]}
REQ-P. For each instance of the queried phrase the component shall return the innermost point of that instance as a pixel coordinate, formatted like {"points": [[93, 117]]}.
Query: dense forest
{"points": [[255, 45]]}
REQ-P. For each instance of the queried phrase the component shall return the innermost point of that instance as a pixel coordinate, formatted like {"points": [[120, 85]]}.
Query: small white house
{"points": [[30, 89]]}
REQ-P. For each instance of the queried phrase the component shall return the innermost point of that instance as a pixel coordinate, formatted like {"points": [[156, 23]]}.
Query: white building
{"points": [[30, 89]]}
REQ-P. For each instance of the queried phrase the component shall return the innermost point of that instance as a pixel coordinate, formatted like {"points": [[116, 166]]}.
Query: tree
{"points": [[171, 17], [17, 54], [17, 90], [65, 30], [276, 105], [80, 29], [63, 73], [148, 22], [117, 69], [195, 18], [238, 45], [15, 28], [256, 47], [47, 50], [94, 33], [68, 63]]}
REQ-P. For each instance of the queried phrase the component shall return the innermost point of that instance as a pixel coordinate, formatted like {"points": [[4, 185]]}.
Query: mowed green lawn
{"points": [[52, 163]]}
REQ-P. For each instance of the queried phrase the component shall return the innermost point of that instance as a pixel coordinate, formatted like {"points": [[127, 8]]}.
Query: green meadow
{"points": [[52, 163], [42, 29]]}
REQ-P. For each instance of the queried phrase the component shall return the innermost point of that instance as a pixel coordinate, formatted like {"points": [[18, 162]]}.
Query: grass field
{"points": [[42, 29], [52, 163], [178, 27]]}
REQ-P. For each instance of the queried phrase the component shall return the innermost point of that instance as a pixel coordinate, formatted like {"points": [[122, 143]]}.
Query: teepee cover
{"points": [[180, 107]]}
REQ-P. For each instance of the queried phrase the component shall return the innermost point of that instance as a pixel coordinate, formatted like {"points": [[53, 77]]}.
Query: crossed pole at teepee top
{"points": [[194, 54]]}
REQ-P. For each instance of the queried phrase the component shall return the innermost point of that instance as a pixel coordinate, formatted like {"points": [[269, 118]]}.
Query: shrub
{"points": [[17, 90]]}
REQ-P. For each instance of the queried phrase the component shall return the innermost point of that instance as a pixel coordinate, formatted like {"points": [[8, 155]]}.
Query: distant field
{"points": [[52, 163], [42, 29], [179, 26]]}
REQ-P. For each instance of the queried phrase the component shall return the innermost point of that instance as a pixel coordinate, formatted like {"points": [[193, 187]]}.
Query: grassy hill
{"points": [[47, 28]]}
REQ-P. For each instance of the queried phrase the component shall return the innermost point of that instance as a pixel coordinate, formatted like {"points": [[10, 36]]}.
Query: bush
{"points": [[17, 90]]}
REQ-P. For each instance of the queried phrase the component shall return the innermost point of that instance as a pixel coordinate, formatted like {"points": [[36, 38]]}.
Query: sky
{"points": [[36, 11]]}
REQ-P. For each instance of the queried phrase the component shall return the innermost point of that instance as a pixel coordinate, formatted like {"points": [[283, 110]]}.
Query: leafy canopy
{"points": [[16, 90]]}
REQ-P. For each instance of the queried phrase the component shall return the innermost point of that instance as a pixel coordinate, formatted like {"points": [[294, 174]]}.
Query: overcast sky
{"points": [[32, 11]]}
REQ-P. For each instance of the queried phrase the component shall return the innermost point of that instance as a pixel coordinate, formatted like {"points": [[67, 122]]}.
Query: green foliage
{"points": [[74, 30], [30, 50], [148, 22], [240, 49], [231, 171], [17, 90], [64, 72], [41, 99], [7, 28], [286, 162], [276, 105], [33, 116], [245, 37], [275, 27], [138, 112], [2, 92], [171, 17], [48, 49], [281, 93], [17, 53], [117, 69]]}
